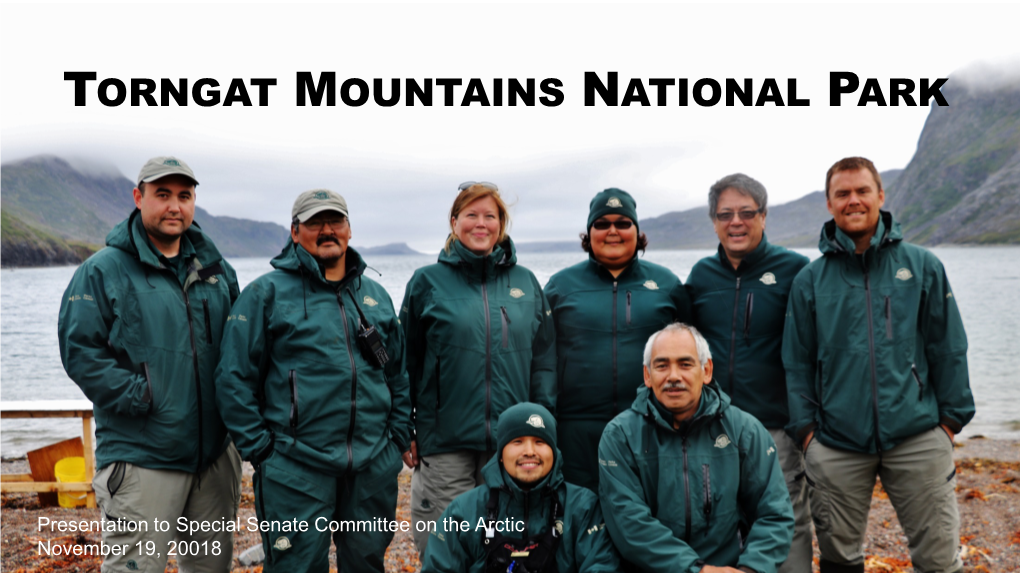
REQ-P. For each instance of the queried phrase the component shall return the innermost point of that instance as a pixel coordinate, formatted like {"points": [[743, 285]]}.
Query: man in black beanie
{"points": [[526, 518]]}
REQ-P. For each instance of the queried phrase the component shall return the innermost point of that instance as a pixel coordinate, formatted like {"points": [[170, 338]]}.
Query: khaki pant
{"points": [[436, 481], [791, 461], [140, 496], [920, 478]]}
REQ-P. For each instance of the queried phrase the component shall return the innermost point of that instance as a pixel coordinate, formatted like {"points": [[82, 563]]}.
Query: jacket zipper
{"points": [[527, 506], [293, 404], [354, 380], [917, 377], [506, 326], [488, 366], [871, 354], [706, 472], [628, 308], [748, 310], [616, 409], [208, 321], [198, 381], [888, 318], [733, 334], [687, 497]]}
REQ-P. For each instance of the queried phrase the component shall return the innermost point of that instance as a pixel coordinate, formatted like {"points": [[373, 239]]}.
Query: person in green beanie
{"points": [[525, 519], [479, 340], [605, 309]]}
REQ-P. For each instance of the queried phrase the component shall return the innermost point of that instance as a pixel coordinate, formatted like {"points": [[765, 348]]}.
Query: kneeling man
{"points": [[690, 483], [526, 518]]}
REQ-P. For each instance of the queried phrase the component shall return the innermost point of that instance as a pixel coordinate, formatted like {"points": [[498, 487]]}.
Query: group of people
{"points": [[772, 394]]}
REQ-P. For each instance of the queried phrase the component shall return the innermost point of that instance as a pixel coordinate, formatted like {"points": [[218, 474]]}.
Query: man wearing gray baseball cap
{"points": [[312, 387], [139, 332]]}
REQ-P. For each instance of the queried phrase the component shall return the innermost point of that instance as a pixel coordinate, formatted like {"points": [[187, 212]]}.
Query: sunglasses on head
{"points": [[485, 184], [621, 225], [745, 215]]}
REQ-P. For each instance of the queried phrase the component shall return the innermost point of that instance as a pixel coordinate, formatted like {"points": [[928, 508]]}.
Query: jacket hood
{"points": [[503, 255], [496, 476], [833, 241], [129, 236], [713, 404], [294, 258]]}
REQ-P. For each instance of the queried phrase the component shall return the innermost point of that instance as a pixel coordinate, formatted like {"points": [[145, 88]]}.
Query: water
{"points": [[985, 280]]}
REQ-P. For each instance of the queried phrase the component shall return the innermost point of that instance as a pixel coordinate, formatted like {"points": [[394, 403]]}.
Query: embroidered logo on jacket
{"points": [[212, 280], [651, 285], [282, 544], [904, 274], [516, 293], [614, 203], [722, 441], [370, 301], [768, 278], [536, 421]]}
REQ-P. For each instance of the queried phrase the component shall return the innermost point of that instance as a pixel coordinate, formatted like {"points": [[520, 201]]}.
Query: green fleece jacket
{"points": [[584, 545], [602, 325], [142, 339], [292, 377], [673, 499], [874, 347], [479, 340], [741, 312]]}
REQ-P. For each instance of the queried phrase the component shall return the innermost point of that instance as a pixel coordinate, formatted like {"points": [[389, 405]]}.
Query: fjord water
{"points": [[985, 281]]}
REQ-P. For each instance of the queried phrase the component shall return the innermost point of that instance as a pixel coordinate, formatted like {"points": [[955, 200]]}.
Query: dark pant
{"points": [[289, 493]]}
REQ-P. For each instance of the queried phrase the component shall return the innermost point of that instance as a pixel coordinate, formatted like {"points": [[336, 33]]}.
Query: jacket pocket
{"points": [[888, 318], [208, 320], [439, 396], [818, 393], [706, 507], [628, 308], [748, 311], [505, 320], [148, 397], [294, 413], [917, 378]]}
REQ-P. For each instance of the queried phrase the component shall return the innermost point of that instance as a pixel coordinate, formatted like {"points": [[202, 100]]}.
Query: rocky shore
{"points": [[988, 490]]}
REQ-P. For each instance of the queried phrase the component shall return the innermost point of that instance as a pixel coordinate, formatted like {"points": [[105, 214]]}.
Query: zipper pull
{"points": [[506, 316]]}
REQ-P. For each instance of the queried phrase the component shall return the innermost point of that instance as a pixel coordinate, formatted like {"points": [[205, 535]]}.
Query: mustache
{"points": [[675, 386], [326, 239]]}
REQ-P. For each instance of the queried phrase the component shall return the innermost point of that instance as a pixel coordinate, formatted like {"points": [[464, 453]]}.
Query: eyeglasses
{"points": [[485, 184], [621, 225], [316, 226], [745, 215]]}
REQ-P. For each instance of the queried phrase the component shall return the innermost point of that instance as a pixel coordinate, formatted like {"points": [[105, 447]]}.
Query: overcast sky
{"points": [[399, 167]]}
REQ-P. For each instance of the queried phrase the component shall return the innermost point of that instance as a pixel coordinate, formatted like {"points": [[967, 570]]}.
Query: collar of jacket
{"points": [[294, 258], [603, 272], [477, 266], [750, 260], [835, 242], [129, 236], [712, 404], [495, 476]]}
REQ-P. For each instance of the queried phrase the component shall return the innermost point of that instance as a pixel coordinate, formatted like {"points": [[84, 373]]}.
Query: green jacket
{"points": [[602, 325], [874, 346], [584, 546], [142, 341], [479, 340], [293, 378], [673, 499], [741, 312]]}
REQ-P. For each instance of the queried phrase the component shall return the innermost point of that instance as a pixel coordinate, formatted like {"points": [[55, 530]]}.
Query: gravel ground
{"points": [[988, 490]]}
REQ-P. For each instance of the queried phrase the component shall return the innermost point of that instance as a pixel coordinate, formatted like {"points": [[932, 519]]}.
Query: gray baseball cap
{"points": [[316, 201], [159, 167]]}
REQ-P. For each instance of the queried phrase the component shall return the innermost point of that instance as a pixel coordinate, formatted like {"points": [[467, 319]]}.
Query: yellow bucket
{"points": [[70, 470]]}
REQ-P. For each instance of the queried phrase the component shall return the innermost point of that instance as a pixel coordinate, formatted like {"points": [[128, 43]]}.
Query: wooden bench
{"points": [[11, 483]]}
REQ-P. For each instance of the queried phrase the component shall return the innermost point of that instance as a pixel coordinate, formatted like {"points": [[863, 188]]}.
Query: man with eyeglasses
{"points": [[876, 362], [738, 299], [311, 385]]}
